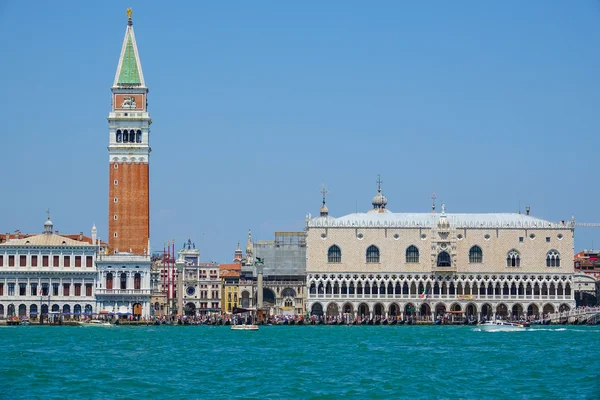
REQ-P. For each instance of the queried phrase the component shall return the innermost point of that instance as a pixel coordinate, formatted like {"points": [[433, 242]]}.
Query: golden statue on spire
{"points": [[129, 13]]}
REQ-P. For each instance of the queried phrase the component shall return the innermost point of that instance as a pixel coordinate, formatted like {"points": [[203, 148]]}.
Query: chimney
{"points": [[56, 232], [80, 236], [527, 209]]}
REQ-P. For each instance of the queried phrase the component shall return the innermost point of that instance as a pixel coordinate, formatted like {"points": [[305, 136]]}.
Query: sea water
{"points": [[297, 362]]}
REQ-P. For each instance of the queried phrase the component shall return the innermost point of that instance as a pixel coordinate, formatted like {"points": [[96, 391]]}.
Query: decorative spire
{"points": [[443, 223], [129, 70], [379, 201], [324, 210], [433, 197], [237, 255], [48, 226], [249, 245]]}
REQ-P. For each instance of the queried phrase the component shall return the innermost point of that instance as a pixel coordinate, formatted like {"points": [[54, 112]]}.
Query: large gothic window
{"points": [[553, 259], [475, 255], [412, 254], [513, 259], [443, 259], [334, 254], [372, 254]]}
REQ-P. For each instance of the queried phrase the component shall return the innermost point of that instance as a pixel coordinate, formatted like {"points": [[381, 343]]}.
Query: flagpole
{"points": [[162, 269], [173, 271]]}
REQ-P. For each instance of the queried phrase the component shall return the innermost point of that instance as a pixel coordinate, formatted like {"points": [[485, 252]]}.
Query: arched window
{"points": [[412, 254], [513, 259], [334, 254], [475, 255], [443, 259], [372, 254], [125, 136], [109, 280], [138, 136], [553, 259], [137, 281], [123, 281], [132, 136], [118, 136]]}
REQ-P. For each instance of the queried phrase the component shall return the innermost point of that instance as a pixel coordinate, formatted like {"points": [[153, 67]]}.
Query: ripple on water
{"points": [[299, 362]]}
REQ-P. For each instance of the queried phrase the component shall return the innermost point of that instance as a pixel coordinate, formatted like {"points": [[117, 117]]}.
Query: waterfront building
{"points": [[230, 281], [47, 274], [124, 273], [198, 285], [283, 266], [587, 262], [587, 278], [380, 263], [190, 280], [158, 291]]}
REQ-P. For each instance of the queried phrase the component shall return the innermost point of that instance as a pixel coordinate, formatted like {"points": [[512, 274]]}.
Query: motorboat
{"points": [[95, 322], [500, 325], [244, 327]]}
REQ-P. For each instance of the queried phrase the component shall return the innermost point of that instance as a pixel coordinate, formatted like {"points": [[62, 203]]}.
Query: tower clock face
{"points": [[191, 290]]}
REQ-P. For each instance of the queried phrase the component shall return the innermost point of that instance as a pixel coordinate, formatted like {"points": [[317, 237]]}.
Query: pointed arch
{"points": [[513, 258], [444, 260], [475, 255], [334, 254], [553, 259], [373, 254], [412, 254]]}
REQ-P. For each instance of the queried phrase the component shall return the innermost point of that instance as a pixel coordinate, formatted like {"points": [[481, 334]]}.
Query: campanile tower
{"points": [[129, 153]]}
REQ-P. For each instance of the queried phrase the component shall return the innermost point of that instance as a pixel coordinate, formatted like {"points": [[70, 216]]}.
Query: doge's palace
{"points": [[381, 263]]}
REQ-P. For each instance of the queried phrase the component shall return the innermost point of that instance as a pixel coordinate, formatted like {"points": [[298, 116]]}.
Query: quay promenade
{"points": [[578, 316]]}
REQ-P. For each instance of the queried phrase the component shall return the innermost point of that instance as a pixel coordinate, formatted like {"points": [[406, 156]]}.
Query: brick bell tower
{"points": [[129, 154]]}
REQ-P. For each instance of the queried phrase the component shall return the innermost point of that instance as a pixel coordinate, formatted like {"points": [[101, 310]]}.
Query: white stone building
{"points": [[47, 274], [123, 285], [384, 263]]}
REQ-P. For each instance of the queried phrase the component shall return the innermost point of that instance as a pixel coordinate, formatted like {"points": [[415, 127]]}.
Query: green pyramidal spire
{"points": [[129, 71], [129, 68]]}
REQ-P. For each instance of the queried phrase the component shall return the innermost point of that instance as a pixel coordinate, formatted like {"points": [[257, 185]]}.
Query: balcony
{"points": [[121, 292]]}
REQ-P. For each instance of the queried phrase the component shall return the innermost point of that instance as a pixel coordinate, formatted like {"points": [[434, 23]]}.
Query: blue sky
{"points": [[256, 104]]}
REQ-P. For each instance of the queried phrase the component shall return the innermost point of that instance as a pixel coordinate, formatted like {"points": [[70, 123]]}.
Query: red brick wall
{"points": [[132, 208]]}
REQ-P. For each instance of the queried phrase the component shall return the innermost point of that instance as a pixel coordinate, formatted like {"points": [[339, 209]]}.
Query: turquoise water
{"points": [[318, 362]]}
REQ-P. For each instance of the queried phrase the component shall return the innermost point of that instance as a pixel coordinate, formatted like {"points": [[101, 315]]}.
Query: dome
{"points": [[48, 226], [324, 210], [379, 201]]}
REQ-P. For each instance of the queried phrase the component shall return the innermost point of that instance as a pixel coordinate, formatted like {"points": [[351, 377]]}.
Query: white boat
{"points": [[502, 326], [94, 322], [244, 327]]}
